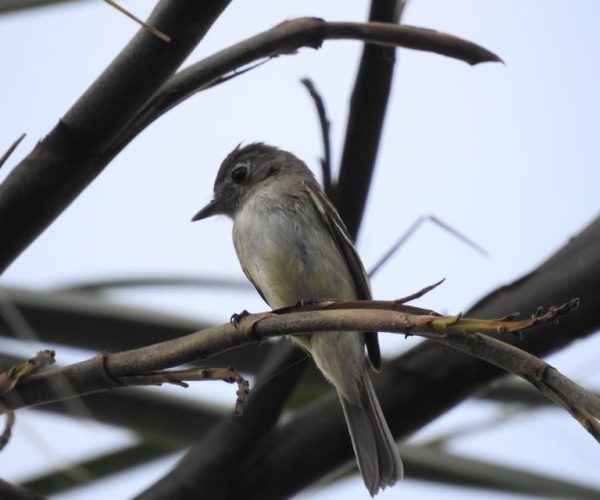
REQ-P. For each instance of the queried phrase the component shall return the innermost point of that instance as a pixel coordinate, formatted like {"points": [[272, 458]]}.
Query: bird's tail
{"points": [[375, 449]]}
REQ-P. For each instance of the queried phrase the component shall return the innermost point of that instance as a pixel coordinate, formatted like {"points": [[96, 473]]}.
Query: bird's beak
{"points": [[213, 208]]}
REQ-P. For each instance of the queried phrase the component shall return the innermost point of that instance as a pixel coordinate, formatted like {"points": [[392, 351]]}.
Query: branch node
{"points": [[103, 358]]}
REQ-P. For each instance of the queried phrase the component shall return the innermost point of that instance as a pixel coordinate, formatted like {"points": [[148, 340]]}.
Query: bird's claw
{"points": [[306, 303], [236, 318]]}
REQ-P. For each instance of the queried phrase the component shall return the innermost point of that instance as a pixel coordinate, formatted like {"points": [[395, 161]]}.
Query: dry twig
{"points": [[9, 379], [324, 125], [178, 377], [151, 29], [10, 150], [10, 422], [411, 230], [11, 376]]}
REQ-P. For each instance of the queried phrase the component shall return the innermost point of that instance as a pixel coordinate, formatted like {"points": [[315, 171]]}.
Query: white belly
{"points": [[287, 252]]}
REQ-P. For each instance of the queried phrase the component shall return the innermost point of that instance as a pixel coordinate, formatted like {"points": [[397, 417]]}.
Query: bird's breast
{"points": [[287, 251]]}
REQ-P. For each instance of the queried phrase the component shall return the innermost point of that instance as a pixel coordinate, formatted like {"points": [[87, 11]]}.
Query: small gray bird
{"points": [[293, 246]]}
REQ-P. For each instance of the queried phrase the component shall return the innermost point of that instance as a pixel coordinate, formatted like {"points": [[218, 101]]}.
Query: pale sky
{"points": [[507, 154]]}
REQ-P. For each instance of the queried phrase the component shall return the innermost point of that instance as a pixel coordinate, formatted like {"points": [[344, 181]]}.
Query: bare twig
{"points": [[420, 293], [11, 376], [10, 422], [154, 281], [178, 377], [411, 230], [324, 125], [234, 74], [10, 150], [151, 29], [412, 37], [286, 38]]}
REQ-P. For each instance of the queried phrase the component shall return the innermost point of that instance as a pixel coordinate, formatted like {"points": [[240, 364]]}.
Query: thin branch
{"points": [[10, 150], [215, 462], [151, 29], [178, 377], [234, 74], [8, 427], [284, 39], [464, 334], [324, 126], [153, 281], [420, 293], [412, 229], [16, 5], [11, 376], [412, 37]]}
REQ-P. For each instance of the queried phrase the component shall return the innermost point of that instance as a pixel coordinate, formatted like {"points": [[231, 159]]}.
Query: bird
{"points": [[293, 246]]}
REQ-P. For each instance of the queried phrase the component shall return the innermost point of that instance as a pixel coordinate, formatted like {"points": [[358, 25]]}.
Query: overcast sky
{"points": [[507, 154]]}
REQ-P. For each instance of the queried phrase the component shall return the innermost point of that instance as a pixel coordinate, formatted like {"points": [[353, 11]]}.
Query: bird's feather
{"points": [[338, 231]]}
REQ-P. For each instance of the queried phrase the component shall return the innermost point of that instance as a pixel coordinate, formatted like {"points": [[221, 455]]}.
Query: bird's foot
{"points": [[306, 303], [236, 318]]}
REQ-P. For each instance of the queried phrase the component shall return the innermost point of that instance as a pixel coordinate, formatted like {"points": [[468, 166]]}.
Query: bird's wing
{"points": [[249, 276], [338, 231]]}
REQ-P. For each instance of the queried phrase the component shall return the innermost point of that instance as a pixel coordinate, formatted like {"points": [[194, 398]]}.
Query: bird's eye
{"points": [[239, 174]]}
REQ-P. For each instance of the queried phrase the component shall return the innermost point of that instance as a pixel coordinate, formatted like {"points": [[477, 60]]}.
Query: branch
{"points": [[10, 150], [324, 125], [11, 376], [92, 286], [412, 229], [16, 5], [214, 463], [178, 377], [284, 39], [8, 427], [151, 29], [463, 334]]}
